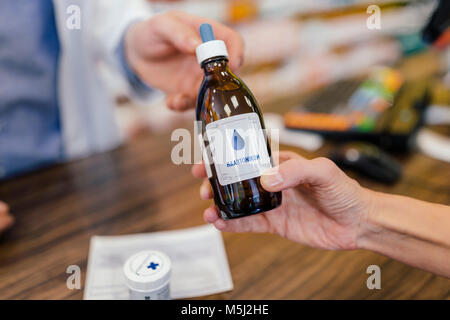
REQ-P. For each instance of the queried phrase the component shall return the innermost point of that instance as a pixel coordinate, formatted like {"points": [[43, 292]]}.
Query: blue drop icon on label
{"points": [[238, 142]]}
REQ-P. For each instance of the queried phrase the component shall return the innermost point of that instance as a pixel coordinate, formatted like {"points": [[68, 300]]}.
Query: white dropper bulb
{"points": [[210, 47]]}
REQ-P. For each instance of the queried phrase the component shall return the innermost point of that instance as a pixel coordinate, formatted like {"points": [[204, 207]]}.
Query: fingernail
{"points": [[220, 224], [272, 177]]}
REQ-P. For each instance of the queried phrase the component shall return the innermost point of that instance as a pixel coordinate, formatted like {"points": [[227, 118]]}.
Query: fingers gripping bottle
{"points": [[235, 147]]}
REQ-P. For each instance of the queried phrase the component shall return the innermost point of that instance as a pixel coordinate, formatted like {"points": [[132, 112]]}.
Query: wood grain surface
{"points": [[136, 188]]}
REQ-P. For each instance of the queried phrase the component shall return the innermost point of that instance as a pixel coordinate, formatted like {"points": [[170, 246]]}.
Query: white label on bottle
{"points": [[238, 147]]}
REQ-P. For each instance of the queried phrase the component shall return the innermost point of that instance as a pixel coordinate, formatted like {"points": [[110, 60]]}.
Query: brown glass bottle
{"points": [[223, 95]]}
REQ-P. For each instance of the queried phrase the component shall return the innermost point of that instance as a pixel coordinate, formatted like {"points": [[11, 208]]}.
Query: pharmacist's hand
{"points": [[322, 207], [6, 220], [161, 51]]}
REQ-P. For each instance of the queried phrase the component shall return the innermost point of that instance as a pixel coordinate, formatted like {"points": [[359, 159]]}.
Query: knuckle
{"points": [[322, 161], [289, 166], [163, 18], [158, 17], [156, 22], [327, 166], [355, 184], [291, 171], [173, 13]]}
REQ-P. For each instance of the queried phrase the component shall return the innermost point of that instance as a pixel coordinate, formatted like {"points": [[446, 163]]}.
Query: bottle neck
{"points": [[215, 66], [219, 75]]}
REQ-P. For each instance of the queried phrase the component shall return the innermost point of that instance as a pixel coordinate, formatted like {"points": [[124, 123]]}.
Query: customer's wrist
{"points": [[369, 229]]}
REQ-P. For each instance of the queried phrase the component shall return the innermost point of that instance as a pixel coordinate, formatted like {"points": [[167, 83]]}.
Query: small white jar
{"points": [[147, 275]]}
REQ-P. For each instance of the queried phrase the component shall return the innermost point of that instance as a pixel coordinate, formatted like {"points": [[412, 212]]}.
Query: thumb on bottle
{"points": [[281, 177], [299, 171]]}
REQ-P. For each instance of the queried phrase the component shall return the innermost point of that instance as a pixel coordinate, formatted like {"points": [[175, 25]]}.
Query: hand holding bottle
{"points": [[324, 208], [321, 207], [161, 51]]}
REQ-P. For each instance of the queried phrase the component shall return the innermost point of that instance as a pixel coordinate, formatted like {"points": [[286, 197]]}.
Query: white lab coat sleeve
{"points": [[112, 19], [86, 99]]}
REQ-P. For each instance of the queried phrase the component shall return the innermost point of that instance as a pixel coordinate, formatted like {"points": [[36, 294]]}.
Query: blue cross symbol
{"points": [[152, 265]]}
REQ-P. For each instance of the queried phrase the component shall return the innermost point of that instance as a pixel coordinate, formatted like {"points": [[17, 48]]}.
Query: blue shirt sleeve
{"points": [[30, 124], [137, 84]]}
